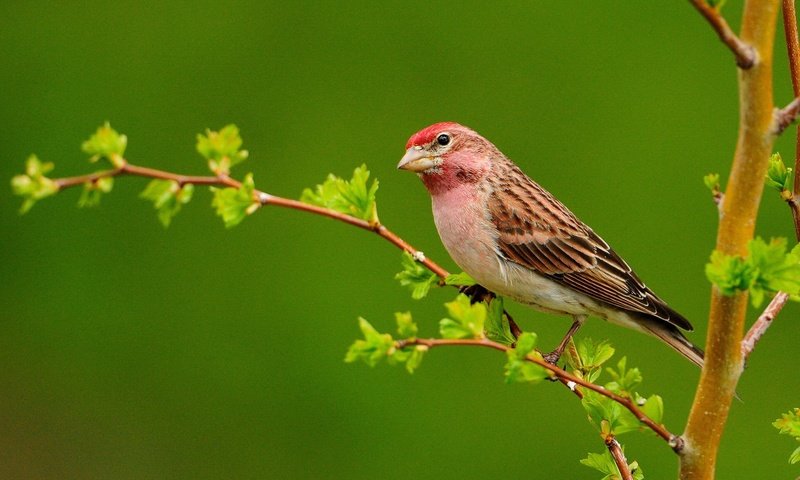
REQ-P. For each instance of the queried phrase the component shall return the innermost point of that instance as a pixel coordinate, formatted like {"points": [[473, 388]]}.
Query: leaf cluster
{"points": [[106, 143], [789, 424], [768, 268], [417, 278], [33, 185], [779, 177], [354, 197], [168, 197], [222, 149], [604, 463], [234, 204], [376, 346]]}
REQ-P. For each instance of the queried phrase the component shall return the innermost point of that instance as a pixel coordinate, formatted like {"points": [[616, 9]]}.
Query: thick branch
{"points": [[745, 54], [761, 325], [260, 197], [615, 449], [724, 360], [563, 376]]}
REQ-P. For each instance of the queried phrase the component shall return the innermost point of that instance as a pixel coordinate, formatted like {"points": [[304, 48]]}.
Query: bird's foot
{"points": [[476, 293]]}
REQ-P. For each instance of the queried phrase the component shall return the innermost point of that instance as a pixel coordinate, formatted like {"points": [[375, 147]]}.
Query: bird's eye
{"points": [[443, 139]]}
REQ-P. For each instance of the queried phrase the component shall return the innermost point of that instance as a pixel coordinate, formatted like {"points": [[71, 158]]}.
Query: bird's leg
{"points": [[552, 357]]}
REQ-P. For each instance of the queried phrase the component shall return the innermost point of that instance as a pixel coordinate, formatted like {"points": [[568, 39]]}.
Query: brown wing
{"points": [[540, 233]]}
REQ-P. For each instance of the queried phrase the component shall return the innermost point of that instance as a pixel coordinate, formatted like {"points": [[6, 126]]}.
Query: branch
{"points": [[745, 53], [615, 449], [568, 379], [785, 116], [761, 325], [726, 324], [261, 197]]}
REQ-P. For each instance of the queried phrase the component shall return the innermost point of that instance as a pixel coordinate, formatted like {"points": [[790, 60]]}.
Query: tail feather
{"points": [[673, 337]]}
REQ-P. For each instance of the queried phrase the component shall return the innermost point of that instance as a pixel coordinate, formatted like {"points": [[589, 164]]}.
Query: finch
{"points": [[515, 239]]}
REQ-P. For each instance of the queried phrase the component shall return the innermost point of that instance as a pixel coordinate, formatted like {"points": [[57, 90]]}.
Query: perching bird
{"points": [[515, 239]]}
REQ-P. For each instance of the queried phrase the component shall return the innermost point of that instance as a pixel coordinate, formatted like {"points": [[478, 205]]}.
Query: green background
{"points": [[130, 351]]}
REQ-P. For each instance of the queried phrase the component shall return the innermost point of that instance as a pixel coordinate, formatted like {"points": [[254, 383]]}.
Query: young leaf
{"points": [[624, 379], [729, 273], [518, 368], [712, 182], [497, 327], [789, 424], [33, 185], [373, 348], [779, 177], [416, 277], [233, 204], [654, 408], [406, 327], [106, 143], [93, 191], [467, 319], [604, 463], [774, 268], [460, 279], [587, 357], [352, 197], [607, 415], [221, 149], [167, 197]]}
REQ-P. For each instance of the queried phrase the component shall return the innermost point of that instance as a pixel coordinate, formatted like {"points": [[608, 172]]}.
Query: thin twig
{"points": [[783, 117], [568, 379], [261, 197], [745, 54], [615, 449], [761, 325]]}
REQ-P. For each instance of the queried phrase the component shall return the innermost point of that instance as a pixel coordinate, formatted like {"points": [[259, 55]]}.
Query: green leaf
{"points": [[233, 204], [789, 424], [467, 319], [712, 182], [625, 380], [460, 280], [373, 348], [654, 408], [773, 269], [93, 191], [406, 327], [416, 277], [604, 463], [607, 415], [497, 327], [518, 367], [352, 197], [778, 176], [588, 356], [106, 143], [415, 359], [729, 273], [167, 197], [221, 149], [33, 185]]}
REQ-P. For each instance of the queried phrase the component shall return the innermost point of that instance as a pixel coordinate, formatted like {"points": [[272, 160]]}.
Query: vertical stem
{"points": [[723, 364]]}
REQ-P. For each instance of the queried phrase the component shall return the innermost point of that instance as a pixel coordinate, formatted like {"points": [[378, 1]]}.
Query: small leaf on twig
{"points": [[33, 185], [789, 424], [221, 149], [106, 143], [352, 197], [604, 463], [167, 197], [466, 320], [416, 277], [518, 368], [93, 191], [233, 204], [779, 177]]}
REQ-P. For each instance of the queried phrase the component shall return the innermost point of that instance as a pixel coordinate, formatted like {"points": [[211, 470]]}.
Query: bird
{"points": [[518, 241]]}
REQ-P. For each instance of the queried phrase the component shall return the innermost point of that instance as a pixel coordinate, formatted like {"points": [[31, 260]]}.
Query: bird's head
{"points": [[447, 155]]}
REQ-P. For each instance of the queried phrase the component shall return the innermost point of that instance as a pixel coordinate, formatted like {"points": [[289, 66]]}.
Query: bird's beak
{"points": [[416, 160]]}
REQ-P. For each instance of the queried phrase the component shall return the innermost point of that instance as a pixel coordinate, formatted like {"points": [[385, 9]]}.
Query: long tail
{"points": [[673, 337]]}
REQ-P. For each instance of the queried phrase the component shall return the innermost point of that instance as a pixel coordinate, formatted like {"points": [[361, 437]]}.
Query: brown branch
{"points": [[726, 324], [615, 449], [261, 197], [568, 379], [783, 117], [761, 325], [745, 54]]}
